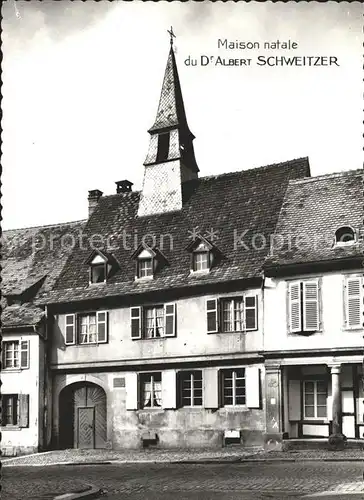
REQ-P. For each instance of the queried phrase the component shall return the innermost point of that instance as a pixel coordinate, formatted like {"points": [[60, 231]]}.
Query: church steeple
{"points": [[170, 159]]}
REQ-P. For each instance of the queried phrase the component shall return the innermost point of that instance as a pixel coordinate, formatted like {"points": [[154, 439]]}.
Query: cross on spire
{"points": [[172, 35]]}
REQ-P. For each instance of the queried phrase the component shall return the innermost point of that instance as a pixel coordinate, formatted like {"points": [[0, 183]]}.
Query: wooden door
{"points": [[86, 427]]}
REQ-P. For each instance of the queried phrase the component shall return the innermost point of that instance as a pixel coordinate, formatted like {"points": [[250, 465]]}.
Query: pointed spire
{"points": [[171, 110]]}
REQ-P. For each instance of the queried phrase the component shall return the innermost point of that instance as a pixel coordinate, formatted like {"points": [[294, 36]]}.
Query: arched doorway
{"points": [[82, 416]]}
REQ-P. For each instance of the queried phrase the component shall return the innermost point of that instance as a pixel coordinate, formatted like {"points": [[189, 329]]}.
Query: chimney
{"points": [[123, 186], [93, 199]]}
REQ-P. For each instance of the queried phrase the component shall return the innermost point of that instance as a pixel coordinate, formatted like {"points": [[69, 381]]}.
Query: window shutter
{"points": [[251, 312], [170, 320], [294, 299], [136, 322], [24, 354], [212, 315], [131, 386], [353, 303], [252, 387], [70, 329], [211, 388], [294, 400], [23, 410], [102, 326], [311, 321], [169, 389]]}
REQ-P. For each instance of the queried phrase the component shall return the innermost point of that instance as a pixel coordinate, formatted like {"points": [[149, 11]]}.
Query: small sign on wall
{"points": [[119, 382]]}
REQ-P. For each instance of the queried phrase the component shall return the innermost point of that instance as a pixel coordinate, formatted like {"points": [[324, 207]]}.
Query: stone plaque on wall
{"points": [[119, 382]]}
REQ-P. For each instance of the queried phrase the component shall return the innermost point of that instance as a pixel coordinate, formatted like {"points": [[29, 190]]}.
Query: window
{"points": [[90, 328], [315, 399], [353, 297], [145, 268], [10, 409], [153, 322], [234, 314], [344, 235], [201, 261], [98, 273], [304, 312], [163, 147], [15, 410], [151, 390], [16, 354], [233, 387], [191, 388]]}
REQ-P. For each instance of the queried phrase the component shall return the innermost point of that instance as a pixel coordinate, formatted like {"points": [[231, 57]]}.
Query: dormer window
{"points": [[203, 255], [344, 236], [148, 261], [101, 265]]}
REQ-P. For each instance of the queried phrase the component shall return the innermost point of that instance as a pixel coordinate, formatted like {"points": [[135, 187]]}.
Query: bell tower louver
{"points": [[170, 159]]}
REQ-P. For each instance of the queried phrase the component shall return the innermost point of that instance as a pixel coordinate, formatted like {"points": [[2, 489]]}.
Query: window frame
{"points": [[138, 321], [142, 381], [215, 306], [315, 394], [199, 253], [182, 378], [15, 405], [16, 350], [141, 261], [233, 387], [73, 322], [22, 351], [92, 269], [352, 233]]}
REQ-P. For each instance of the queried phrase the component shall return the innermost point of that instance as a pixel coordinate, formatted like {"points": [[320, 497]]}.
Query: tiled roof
{"points": [[21, 315], [312, 211], [230, 204], [28, 256]]}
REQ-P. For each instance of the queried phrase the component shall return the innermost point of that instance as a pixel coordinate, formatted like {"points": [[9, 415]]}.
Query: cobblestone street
{"points": [[186, 481]]}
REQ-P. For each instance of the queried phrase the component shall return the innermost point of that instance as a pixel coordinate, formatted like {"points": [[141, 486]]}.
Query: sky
{"points": [[81, 85]]}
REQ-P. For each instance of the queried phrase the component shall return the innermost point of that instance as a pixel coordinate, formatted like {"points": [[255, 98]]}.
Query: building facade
{"points": [[313, 322]]}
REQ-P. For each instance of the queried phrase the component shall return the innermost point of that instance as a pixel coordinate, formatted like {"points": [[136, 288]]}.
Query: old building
{"points": [[183, 315], [313, 311], [158, 328], [30, 266]]}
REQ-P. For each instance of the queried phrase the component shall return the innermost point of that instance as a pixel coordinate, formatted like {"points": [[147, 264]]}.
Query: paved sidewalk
{"points": [[233, 454]]}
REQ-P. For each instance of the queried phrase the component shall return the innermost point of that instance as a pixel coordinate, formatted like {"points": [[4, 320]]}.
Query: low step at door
{"points": [[86, 427]]}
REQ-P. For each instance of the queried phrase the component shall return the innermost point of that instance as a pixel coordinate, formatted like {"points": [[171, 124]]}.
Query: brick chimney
{"points": [[93, 199], [123, 186]]}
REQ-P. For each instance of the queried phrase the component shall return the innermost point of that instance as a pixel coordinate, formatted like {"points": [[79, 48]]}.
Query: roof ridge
{"points": [[45, 225], [262, 167], [332, 175]]}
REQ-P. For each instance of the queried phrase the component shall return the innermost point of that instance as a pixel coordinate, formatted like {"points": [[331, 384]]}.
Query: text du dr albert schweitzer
{"points": [[261, 60]]}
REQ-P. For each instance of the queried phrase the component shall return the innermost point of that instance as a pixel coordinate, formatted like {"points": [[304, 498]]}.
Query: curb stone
{"points": [[90, 492]]}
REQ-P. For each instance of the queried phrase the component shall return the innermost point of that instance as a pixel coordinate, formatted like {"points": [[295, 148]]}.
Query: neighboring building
{"points": [[313, 310], [30, 266], [158, 333]]}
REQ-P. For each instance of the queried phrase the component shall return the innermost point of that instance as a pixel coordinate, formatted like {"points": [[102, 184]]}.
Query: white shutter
{"points": [[102, 326], [210, 388], [354, 303], [311, 319], [294, 400], [169, 389], [170, 320], [24, 354], [131, 385], [294, 304], [252, 387], [212, 315], [70, 337]]}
